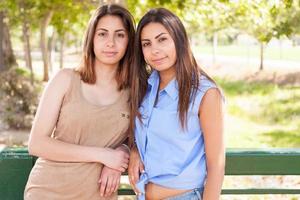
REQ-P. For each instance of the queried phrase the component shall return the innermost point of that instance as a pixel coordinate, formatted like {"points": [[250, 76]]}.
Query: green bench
{"points": [[15, 165]]}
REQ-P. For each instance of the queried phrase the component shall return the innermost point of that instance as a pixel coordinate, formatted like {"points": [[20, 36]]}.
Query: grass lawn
{"points": [[261, 114]]}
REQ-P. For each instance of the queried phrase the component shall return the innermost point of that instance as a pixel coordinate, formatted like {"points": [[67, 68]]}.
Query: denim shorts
{"points": [[195, 194]]}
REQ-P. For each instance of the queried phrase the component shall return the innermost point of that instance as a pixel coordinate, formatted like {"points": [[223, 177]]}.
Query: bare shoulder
{"points": [[61, 80], [212, 95], [64, 74], [212, 100]]}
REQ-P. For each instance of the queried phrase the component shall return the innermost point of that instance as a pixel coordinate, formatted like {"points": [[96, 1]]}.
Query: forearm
{"points": [[52, 149], [213, 186]]}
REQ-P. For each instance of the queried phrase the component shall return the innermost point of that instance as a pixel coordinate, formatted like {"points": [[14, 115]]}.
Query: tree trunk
{"points": [[6, 53], [261, 67], [26, 40], [51, 49], [61, 52], [2, 67], [45, 22]]}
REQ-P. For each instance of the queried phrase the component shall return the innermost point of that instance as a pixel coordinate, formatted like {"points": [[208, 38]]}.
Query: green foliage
{"points": [[262, 19], [18, 98], [197, 15], [234, 88], [71, 17]]}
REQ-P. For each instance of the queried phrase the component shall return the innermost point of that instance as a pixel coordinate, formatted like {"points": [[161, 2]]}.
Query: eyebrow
{"points": [[103, 29], [154, 37]]}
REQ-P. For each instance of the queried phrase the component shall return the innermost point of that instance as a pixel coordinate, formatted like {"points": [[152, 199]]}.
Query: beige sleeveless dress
{"points": [[82, 123]]}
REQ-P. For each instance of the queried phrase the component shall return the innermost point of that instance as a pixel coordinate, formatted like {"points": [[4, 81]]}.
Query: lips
{"points": [[109, 53], [158, 60]]}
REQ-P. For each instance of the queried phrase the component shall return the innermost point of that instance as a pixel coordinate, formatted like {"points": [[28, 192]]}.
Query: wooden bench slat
{"points": [[15, 166]]}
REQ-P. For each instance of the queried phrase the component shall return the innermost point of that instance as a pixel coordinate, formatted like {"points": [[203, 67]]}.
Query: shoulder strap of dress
{"points": [[74, 87]]}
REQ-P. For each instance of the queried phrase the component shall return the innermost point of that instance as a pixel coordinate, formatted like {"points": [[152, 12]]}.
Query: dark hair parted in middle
{"points": [[86, 69], [187, 70]]}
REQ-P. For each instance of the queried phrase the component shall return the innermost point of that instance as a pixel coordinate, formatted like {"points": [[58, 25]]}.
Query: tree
{"points": [[209, 17], [19, 13], [48, 11], [2, 67], [288, 20], [6, 53], [72, 23], [255, 18], [24, 8], [46, 17]]}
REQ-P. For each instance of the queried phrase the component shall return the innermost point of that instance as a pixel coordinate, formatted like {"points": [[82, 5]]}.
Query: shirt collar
{"points": [[153, 78], [172, 89]]}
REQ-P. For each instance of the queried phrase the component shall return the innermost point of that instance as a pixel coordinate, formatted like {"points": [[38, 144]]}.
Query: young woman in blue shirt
{"points": [[178, 143]]}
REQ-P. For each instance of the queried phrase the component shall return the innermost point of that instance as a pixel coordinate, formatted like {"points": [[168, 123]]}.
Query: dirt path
{"points": [[280, 72]]}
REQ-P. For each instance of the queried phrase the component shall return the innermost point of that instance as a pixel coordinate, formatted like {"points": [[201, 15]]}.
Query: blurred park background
{"points": [[251, 48]]}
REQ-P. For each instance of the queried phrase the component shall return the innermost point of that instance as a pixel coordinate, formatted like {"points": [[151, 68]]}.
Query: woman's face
{"points": [[158, 47], [110, 40]]}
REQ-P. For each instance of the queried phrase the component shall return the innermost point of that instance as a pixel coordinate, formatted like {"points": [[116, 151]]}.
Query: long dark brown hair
{"points": [[187, 70], [86, 68]]}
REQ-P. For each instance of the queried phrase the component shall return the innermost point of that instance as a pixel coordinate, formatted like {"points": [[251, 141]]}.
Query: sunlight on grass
{"points": [[261, 114]]}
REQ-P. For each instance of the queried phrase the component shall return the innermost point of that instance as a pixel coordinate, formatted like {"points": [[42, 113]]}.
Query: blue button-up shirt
{"points": [[173, 157]]}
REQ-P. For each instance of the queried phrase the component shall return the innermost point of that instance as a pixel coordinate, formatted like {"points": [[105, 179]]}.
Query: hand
{"points": [[109, 181], [116, 159], [135, 168], [124, 148]]}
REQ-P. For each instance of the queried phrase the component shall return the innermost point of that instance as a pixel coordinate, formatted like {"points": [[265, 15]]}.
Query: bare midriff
{"points": [[157, 192]]}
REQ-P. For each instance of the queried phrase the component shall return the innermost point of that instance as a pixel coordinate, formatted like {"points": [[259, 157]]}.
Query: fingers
{"points": [[141, 167], [135, 189], [122, 169], [125, 165], [103, 185], [136, 172], [109, 181], [109, 185], [134, 176], [117, 183]]}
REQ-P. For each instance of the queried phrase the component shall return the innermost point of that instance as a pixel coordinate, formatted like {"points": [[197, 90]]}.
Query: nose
{"points": [[154, 50], [110, 41]]}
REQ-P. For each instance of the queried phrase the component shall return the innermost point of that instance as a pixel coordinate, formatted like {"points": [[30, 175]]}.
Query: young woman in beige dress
{"points": [[83, 117]]}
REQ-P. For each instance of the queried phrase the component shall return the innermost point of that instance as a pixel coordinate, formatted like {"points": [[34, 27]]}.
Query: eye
{"points": [[145, 44], [102, 34], [162, 39], [121, 35]]}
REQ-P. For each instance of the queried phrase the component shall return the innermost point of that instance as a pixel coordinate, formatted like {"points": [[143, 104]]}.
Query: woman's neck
{"points": [[105, 73]]}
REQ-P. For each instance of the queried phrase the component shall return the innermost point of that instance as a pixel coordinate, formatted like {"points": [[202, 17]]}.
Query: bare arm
{"points": [[42, 145], [211, 119]]}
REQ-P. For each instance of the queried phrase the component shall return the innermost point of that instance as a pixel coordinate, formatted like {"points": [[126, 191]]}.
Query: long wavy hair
{"points": [[187, 70], [86, 68]]}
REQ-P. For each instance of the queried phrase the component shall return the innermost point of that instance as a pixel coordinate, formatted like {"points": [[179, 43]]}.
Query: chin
{"points": [[162, 68], [112, 61]]}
